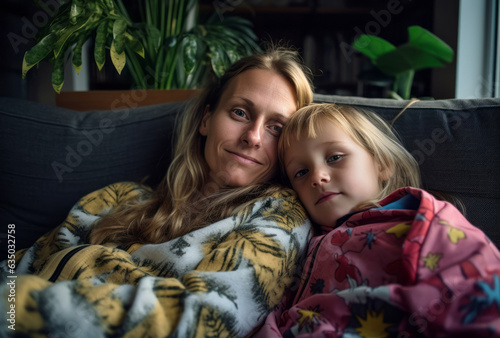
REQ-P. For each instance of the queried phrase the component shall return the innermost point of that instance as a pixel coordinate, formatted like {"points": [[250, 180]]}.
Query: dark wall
{"points": [[19, 22]]}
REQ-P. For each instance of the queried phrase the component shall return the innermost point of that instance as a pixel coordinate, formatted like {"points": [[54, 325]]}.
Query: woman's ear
{"points": [[204, 121]]}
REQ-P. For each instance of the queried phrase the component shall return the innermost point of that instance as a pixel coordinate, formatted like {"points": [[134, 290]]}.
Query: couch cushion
{"points": [[457, 145], [51, 157]]}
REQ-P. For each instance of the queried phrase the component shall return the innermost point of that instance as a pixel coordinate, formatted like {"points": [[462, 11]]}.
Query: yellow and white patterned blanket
{"points": [[221, 280]]}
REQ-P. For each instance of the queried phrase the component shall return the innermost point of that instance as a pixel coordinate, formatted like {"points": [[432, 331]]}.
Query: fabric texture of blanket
{"points": [[414, 267], [221, 280]]}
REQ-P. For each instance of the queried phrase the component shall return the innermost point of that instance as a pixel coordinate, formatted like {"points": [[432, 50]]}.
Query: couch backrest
{"points": [[50, 157]]}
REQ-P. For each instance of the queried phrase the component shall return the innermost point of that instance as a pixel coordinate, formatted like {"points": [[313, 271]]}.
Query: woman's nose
{"points": [[252, 136], [319, 177]]}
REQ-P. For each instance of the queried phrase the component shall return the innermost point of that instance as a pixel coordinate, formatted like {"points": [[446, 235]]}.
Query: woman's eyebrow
{"points": [[247, 101], [276, 115]]}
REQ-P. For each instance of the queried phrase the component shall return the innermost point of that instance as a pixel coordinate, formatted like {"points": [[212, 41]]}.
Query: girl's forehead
{"points": [[314, 128]]}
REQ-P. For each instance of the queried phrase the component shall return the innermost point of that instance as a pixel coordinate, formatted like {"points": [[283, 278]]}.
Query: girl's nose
{"points": [[319, 177]]}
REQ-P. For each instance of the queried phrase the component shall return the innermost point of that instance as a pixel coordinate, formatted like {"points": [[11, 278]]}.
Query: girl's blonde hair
{"points": [[184, 201], [367, 129]]}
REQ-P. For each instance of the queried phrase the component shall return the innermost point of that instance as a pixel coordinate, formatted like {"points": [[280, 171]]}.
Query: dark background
{"points": [[322, 31]]}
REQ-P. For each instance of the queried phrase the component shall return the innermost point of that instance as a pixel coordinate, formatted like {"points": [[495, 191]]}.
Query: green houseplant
{"points": [[164, 44], [423, 50]]}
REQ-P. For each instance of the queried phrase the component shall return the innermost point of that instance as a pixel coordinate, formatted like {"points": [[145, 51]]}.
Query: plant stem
{"points": [[196, 77], [407, 81], [174, 18], [395, 95], [149, 18], [123, 10], [163, 8], [168, 32], [180, 16], [158, 75], [172, 70], [167, 68], [135, 69]]}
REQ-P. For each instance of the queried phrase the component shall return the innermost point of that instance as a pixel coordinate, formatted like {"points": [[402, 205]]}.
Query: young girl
{"points": [[208, 253], [390, 259]]}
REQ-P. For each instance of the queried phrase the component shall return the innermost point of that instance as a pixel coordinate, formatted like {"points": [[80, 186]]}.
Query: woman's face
{"points": [[242, 132]]}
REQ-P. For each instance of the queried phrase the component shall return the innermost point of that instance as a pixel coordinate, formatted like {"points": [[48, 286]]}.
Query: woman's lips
{"points": [[326, 196], [244, 158]]}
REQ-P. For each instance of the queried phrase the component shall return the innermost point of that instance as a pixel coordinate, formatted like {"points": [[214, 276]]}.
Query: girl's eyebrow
{"points": [[294, 159]]}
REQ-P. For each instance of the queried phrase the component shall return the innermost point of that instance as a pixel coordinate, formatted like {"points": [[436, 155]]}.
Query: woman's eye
{"points": [[301, 172], [334, 158], [239, 112], [277, 129]]}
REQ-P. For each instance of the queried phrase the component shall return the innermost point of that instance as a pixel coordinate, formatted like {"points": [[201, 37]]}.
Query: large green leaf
{"points": [[77, 53], [424, 50], [232, 54], [242, 30], [425, 40], [119, 27], [153, 34], [372, 46], [217, 59], [134, 44], [190, 49], [407, 57], [38, 52], [100, 44], [68, 31], [58, 74], [77, 10], [118, 59], [109, 5]]}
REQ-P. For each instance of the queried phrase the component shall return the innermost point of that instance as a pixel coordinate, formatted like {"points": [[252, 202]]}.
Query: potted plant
{"points": [[423, 50], [164, 44]]}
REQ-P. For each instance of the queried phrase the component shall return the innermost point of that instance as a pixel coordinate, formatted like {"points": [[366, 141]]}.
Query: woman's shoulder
{"points": [[113, 195]]}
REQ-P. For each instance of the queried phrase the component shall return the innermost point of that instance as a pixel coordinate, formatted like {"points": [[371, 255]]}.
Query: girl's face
{"points": [[242, 132], [331, 173]]}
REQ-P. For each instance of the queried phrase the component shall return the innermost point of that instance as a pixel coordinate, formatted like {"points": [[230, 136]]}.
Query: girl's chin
{"points": [[327, 221]]}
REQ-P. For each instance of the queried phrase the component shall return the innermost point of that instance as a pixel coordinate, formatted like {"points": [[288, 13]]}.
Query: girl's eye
{"points": [[334, 158], [301, 172]]}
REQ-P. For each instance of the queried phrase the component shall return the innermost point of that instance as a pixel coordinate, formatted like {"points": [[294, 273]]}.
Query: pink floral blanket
{"points": [[415, 267]]}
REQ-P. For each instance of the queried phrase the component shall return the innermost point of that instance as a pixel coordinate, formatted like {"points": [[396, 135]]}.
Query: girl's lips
{"points": [[244, 159], [326, 196]]}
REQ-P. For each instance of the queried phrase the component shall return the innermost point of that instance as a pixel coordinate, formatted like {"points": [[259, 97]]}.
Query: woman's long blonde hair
{"points": [[367, 129], [184, 201]]}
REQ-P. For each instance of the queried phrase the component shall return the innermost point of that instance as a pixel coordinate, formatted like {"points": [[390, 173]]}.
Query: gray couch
{"points": [[50, 157]]}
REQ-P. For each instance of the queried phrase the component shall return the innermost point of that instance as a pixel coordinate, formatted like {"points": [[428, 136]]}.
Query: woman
{"points": [[221, 241]]}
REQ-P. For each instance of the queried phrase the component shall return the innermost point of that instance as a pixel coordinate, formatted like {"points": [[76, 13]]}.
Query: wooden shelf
{"points": [[287, 10]]}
